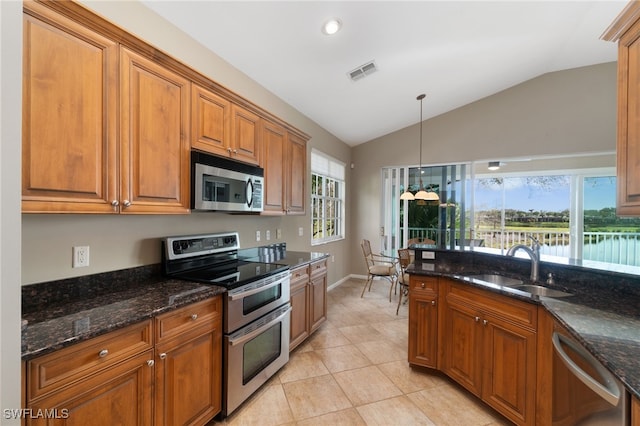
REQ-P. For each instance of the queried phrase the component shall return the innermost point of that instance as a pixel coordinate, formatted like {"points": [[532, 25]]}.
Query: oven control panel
{"points": [[198, 245]]}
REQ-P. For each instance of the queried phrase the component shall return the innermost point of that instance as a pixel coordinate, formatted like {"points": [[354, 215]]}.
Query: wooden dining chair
{"points": [[404, 259], [379, 265]]}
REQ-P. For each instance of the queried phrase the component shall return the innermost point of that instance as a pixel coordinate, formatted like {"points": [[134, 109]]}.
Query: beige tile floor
{"points": [[354, 371]]}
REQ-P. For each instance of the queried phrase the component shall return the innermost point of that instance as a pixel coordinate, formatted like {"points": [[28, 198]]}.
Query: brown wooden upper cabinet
{"points": [[73, 158], [69, 116], [626, 31], [284, 162], [222, 128]]}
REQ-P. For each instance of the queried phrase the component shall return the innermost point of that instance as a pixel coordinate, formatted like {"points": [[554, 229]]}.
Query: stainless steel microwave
{"points": [[219, 184]]}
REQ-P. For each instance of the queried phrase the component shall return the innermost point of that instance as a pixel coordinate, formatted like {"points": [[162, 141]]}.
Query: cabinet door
{"points": [[69, 113], [299, 319], [296, 174], [509, 370], [210, 122], [245, 135], [463, 349], [188, 380], [273, 141], [423, 329], [318, 302], [120, 395], [628, 167], [154, 166]]}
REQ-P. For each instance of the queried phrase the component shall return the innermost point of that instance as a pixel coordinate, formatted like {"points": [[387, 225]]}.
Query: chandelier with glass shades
{"points": [[421, 194]]}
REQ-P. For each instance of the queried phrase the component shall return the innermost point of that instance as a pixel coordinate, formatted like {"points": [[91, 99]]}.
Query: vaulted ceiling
{"points": [[456, 52]]}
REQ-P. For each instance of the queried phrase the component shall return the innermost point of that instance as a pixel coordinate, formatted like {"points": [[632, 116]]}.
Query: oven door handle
{"points": [[611, 393], [254, 333], [243, 294]]}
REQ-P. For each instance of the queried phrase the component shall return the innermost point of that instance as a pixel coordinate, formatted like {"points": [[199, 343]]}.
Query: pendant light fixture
{"points": [[421, 194]]}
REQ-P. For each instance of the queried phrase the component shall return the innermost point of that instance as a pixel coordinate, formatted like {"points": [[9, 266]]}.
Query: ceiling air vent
{"points": [[362, 71]]}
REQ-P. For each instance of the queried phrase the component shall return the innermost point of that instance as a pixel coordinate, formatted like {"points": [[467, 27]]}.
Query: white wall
{"points": [[560, 113], [10, 159]]}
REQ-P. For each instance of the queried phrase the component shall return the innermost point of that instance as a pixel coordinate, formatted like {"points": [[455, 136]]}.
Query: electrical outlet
{"points": [[278, 233], [257, 235], [429, 255], [80, 257], [300, 231], [267, 235], [333, 259]]}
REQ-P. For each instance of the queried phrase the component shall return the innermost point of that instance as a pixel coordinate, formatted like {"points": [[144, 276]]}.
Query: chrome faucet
{"points": [[533, 252]]}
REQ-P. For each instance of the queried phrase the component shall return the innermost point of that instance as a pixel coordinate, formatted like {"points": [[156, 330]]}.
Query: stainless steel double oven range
{"points": [[256, 315]]}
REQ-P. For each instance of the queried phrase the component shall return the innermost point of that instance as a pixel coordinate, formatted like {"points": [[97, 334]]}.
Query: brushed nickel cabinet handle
{"points": [[477, 319], [433, 303], [150, 362], [126, 203], [194, 317], [103, 353], [162, 355]]}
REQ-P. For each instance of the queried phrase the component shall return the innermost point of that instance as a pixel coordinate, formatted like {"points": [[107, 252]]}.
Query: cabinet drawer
{"points": [[420, 283], [68, 365], [319, 267], [299, 275], [200, 316], [500, 307]]}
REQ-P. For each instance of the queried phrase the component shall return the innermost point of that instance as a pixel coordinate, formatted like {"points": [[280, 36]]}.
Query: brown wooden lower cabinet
{"points": [[423, 321], [635, 411], [119, 377], [308, 300], [484, 341]]}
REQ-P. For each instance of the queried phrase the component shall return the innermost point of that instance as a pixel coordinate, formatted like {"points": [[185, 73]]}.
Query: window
{"points": [[327, 198]]}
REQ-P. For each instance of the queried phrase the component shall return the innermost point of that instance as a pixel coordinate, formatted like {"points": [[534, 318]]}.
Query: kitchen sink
{"points": [[497, 279], [538, 290]]}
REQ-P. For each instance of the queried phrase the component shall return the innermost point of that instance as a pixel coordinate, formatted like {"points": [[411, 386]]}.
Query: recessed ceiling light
{"points": [[332, 26]]}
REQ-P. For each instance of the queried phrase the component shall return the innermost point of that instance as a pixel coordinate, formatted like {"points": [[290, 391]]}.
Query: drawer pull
{"points": [[477, 319], [194, 317], [423, 285], [162, 355], [485, 322], [103, 353], [150, 362], [433, 303]]}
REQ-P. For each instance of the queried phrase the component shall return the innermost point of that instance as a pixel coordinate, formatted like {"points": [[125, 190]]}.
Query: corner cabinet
{"points": [[285, 166], [490, 349], [626, 31], [423, 321], [308, 300]]}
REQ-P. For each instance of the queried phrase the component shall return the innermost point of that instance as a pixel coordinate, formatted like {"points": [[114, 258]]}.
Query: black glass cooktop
{"points": [[233, 274]]}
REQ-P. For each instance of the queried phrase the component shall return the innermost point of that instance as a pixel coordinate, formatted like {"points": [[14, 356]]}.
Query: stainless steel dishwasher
{"points": [[584, 391]]}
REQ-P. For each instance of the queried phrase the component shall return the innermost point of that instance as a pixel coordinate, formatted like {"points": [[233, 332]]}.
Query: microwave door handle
{"points": [[249, 192], [254, 333], [611, 393]]}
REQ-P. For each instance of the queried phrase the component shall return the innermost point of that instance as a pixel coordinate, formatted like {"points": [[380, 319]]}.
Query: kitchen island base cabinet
{"points": [[308, 301], [423, 321], [490, 349]]}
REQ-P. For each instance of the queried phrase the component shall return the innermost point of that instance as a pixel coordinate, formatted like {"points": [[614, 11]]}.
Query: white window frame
{"points": [[327, 167]]}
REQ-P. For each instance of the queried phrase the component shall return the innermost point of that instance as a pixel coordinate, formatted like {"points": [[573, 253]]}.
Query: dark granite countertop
{"points": [[278, 253], [60, 313], [603, 313]]}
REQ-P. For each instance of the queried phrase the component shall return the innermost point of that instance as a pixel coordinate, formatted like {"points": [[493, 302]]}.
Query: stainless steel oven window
{"points": [[258, 300], [260, 352]]}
